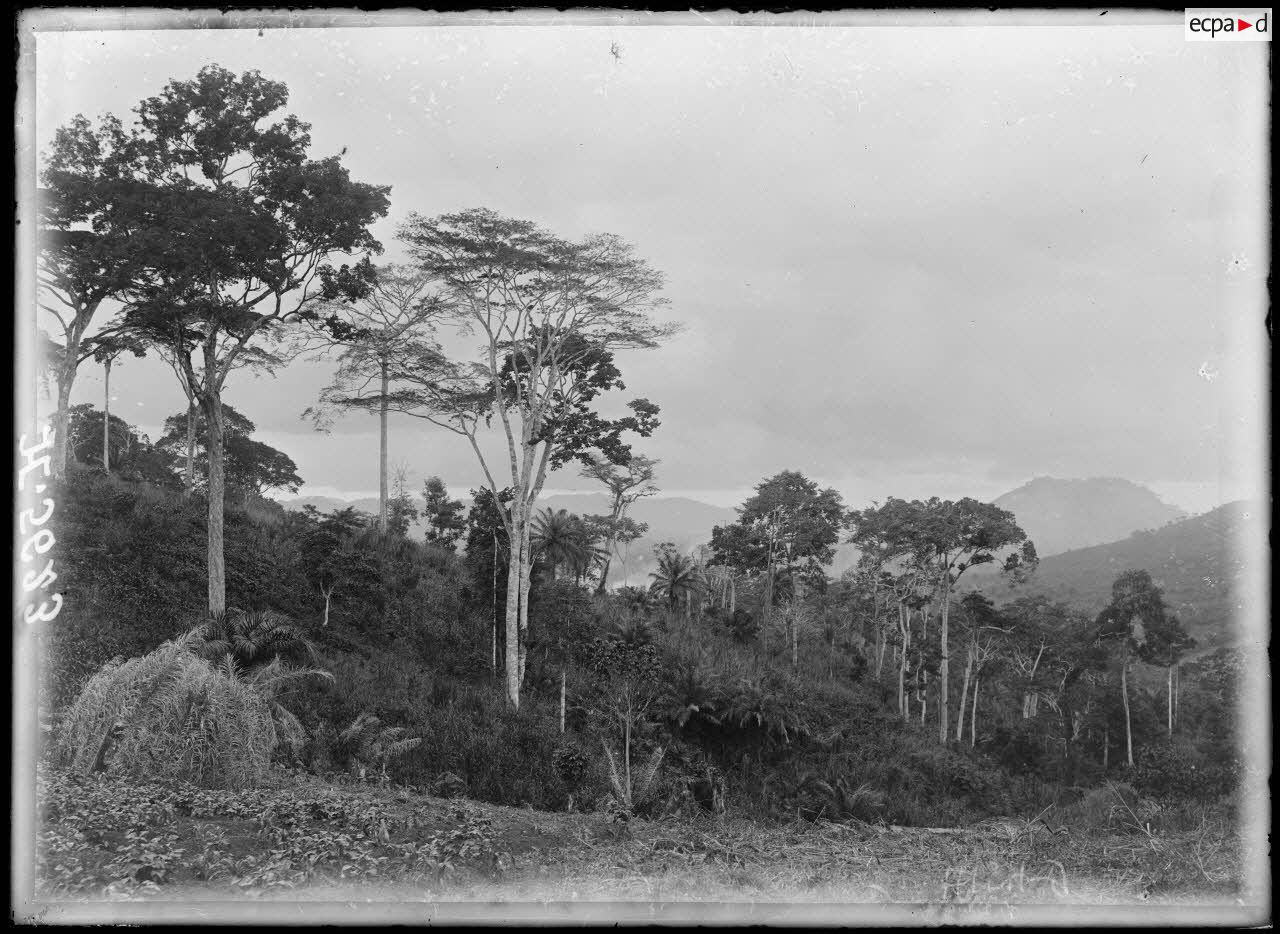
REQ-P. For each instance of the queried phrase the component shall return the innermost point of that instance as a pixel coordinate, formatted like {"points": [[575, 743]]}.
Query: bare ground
{"points": [[576, 867]]}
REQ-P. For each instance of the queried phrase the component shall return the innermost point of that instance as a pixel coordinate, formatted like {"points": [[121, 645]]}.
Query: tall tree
{"points": [[330, 558], [488, 547], [251, 468], [626, 484], [86, 242], [402, 512], [107, 348], [1138, 621], [131, 455], [957, 536], [788, 527], [678, 579], [550, 312], [256, 358], [446, 518], [393, 319], [232, 237], [559, 540]]}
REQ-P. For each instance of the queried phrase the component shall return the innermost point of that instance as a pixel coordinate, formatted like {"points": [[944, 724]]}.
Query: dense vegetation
{"points": [[688, 689]]}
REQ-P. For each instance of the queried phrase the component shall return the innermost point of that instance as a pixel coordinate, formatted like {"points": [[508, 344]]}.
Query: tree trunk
{"points": [[1177, 692], [1124, 693], [512, 654], [604, 572], [62, 423], [106, 416], [1028, 708], [382, 450], [562, 698], [904, 625], [526, 582], [944, 664], [217, 568], [973, 716], [1170, 692], [190, 482], [327, 594], [964, 696], [1106, 746], [767, 609], [733, 595], [494, 599], [794, 626]]}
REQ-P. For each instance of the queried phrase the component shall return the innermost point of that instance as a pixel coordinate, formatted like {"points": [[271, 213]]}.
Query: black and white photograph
{"points": [[613, 467]]}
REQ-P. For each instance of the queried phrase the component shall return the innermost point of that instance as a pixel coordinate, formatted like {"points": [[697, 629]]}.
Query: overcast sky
{"points": [[911, 259]]}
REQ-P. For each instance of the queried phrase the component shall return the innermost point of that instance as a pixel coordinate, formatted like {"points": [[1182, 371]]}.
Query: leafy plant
{"points": [[370, 742]]}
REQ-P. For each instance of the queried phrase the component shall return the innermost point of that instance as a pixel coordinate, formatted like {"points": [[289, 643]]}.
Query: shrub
{"points": [[1174, 771], [169, 715]]}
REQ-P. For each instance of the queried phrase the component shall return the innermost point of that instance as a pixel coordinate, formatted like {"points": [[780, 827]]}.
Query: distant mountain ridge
{"points": [[1058, 515], [1196, 561], [1062, 515]]}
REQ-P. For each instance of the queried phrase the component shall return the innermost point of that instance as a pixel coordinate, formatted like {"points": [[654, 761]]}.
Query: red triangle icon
{"points": [[1243, 25]]}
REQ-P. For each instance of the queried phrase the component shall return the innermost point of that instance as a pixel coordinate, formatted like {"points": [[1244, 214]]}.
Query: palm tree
{"points": [[252, 640], [677, 580], [560, 538], [636, 600]]}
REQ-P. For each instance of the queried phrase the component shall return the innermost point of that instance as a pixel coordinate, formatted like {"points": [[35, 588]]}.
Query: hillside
{"points": [[1061, 515], [1193, 560]]}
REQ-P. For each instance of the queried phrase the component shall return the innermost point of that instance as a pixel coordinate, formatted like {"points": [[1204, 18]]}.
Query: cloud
{"points": [[950, 256]]}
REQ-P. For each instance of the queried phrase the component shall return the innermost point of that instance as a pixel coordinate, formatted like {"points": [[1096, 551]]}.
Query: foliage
{"points": [[106, 837], [789, 523], [132, 455], [1175, 770], [446, 518], [172, 715], [678, 581], [253, 468], [563, 539], [488, 546], [410, 645], [251, 639], [370, 742]]}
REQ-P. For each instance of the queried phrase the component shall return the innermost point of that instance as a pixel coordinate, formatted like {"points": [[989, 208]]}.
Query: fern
{"points": [[644, 788], [367, 741], [620, 791]]}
